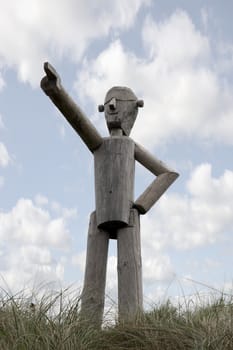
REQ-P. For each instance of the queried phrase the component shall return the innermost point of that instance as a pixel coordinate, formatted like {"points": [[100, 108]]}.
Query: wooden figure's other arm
{"points": [[165, 177], [51, 85]]}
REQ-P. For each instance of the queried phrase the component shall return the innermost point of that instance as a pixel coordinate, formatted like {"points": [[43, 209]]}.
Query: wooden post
{"points": [[92, 299], [114, 181], [130, 296]]}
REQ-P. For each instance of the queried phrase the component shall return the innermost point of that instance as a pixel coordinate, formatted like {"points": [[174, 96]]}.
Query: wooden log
{"points": [[114, 181], [51, 85], [130, 295], [92, 299], [154, 192], [153, 164]]}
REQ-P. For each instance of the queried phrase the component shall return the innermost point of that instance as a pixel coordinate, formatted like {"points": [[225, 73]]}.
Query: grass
{"points": [[53, 323]]}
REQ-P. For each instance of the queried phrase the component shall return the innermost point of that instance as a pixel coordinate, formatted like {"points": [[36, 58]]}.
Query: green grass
{"points": [[54, 323]]}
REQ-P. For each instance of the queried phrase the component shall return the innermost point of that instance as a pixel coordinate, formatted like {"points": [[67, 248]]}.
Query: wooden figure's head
{"points": [[121, 109]]}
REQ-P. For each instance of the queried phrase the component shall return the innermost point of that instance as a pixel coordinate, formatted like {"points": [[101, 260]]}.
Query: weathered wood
{"points": [[154, 192], [156, 166], [114, 181], [130, 296], [166, 176], [92, 299], [116, 132], [121, 108], [114, 188], [51, 85]]}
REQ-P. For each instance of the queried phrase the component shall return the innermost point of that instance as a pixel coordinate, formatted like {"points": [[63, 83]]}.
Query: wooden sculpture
{"points": [[117, 213]]}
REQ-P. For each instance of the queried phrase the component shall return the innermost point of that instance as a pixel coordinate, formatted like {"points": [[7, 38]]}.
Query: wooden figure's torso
{"points": [[114, 181]]}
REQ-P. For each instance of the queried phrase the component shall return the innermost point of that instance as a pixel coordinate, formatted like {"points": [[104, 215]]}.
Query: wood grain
{"points": [[130, 296], [92, 299], [114, 181], [73, 114]]}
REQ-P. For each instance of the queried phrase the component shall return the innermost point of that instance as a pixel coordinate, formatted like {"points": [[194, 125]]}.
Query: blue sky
{"points": [[178, 57]]}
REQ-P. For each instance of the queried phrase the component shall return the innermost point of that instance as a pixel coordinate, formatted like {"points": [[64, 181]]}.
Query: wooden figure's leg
{"points": [[130, 296], [92, 299]]}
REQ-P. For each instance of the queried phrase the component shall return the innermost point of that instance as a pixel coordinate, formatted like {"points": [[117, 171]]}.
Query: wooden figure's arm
{"points": [[51, 85], [165, 177]]}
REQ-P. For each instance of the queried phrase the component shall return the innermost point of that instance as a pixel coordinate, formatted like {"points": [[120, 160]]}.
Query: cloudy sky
{"points": [[178, 57]]}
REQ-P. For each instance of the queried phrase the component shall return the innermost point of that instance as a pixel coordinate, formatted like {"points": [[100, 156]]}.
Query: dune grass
{"points": [[53, 323]]}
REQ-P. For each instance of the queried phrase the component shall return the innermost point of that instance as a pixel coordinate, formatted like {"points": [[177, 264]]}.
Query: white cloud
{"points": [[111, 282], [111, 285], [29, 267], [202, 184], [30, 224], [29, 238], [32, 31], [157, 268], [37, 256], [200, 218], [184, 95], [176, 41], [4, 156]]}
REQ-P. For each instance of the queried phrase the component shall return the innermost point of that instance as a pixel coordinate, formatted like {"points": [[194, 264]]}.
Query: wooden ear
{"points": [[140, 103], [101, 108]]}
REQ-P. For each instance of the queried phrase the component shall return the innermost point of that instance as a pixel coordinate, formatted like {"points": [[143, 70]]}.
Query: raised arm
{"points": [[51, 85], [165, 177]]}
